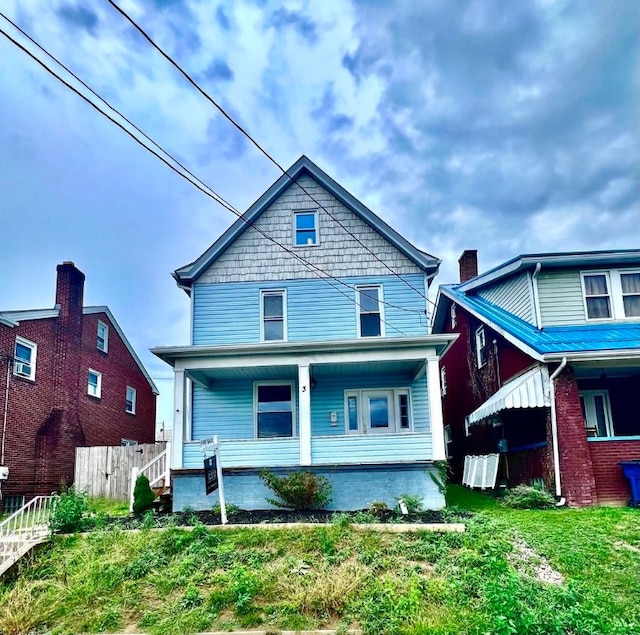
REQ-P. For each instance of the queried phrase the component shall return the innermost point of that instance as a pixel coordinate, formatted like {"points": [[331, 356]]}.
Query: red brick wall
{"points": [[576, 469], [611, 484]]}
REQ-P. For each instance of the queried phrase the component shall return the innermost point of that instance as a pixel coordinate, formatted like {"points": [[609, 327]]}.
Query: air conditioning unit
{"points": [[4, 472], [22, 369]]}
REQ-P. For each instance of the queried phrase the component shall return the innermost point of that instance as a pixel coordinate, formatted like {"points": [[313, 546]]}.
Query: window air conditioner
{"points": [[22, 369]]}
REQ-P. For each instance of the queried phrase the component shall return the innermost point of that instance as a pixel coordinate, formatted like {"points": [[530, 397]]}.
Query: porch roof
{"points": [[282, 353], [529, 390]]}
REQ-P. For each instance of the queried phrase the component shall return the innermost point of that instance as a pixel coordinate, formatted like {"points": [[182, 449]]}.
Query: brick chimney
{"points": [[69, 290], [468, 264]]}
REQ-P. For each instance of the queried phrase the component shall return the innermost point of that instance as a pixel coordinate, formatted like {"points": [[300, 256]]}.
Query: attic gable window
{"points": [[103, 337], [305, 228]]}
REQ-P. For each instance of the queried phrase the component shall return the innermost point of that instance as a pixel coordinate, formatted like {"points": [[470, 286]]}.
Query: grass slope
{"points": [[177, 581]]}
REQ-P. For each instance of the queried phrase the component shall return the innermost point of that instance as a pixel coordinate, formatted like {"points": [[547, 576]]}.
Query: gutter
{"points": [[554, 434], [536, 295]]}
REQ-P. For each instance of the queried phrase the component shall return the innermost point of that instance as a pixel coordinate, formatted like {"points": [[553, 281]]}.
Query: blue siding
{"points": [[249, 453], [372, 448], [353, 488], [229, 313]]}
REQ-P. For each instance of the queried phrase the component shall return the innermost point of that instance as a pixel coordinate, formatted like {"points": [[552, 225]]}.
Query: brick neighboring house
{"points": [[548, 359], [68, 378]]}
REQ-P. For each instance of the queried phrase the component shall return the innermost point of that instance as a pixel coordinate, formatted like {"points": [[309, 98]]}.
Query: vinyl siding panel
{"points": [[229, 313], [513, 295], [253, 453], [338, 254], [561, 301]]}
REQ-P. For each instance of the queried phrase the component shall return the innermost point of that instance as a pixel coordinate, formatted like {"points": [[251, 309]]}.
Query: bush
{"points": [[526, 497], [413, 503], [67, 513], [298, 490], [143, 495]]}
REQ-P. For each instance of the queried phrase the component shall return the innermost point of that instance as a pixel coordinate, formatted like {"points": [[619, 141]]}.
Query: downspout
{"points": [[554, 434], [536, 296]]}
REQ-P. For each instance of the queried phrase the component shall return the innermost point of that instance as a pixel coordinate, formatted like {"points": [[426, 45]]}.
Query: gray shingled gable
{"points": [[186, 275]]}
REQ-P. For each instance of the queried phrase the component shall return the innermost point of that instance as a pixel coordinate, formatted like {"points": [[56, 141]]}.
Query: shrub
{"points": [[67, 513], [298, 490], [378, 508], [143, 495], [413, 503], [526, 497]]}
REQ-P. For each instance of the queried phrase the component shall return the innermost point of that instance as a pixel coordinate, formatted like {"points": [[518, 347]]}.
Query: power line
{"points": [[199, 184], [256, 144]]}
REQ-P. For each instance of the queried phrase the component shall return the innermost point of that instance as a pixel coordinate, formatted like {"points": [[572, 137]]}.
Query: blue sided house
{"points": [[546, 369], [310, 349]]}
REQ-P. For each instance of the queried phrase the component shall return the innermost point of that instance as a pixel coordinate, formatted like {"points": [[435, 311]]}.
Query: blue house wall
{"points": [[317, 309]]}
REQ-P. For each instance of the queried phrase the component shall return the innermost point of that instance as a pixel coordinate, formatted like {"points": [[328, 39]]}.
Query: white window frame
{"points": [[481, 344], [294, 411], [588, 398], [615, 295], [443, 381], [380, 311], [18, 366], [448, 439], [98, 374], [274, 292], [299, 212], [105, 326], [453, 315], [133, 401], [393, 395]]}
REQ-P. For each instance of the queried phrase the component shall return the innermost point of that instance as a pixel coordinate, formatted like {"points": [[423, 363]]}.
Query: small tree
{"points": [[299, 490], [143, 495], [69, 507]]}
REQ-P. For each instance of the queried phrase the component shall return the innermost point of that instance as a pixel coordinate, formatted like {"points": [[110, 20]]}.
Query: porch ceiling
{"points": [[250, 372], [609, 368]]}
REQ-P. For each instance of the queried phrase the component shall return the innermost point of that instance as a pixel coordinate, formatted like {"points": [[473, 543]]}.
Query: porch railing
{"points": [[24, 529], [157, 470]]}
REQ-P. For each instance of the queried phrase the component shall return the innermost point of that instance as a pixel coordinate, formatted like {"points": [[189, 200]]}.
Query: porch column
{"points": [[178, 419], [435, 408], [304, 417]]}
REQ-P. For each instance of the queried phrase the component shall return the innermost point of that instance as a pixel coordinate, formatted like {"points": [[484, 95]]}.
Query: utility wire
{"points": [[257, 145], [200, 185]]}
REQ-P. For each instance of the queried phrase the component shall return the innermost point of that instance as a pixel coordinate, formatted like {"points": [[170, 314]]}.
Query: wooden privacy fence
{"points": [[106, 470]]}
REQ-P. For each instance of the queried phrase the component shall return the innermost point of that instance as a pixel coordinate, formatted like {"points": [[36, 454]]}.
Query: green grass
{"points": [[177, 581]]}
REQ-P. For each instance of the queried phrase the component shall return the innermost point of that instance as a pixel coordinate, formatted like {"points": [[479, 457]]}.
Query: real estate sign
{"points": [[211, 474]]}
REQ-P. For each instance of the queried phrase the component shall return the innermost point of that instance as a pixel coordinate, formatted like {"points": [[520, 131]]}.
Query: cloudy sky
{"points": [[510, 127]]}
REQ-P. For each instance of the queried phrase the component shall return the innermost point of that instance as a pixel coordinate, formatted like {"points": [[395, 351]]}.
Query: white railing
{"points": [[24, 529], [158, 471]]}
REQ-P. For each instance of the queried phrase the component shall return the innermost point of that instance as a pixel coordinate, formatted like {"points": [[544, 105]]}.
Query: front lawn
{"points": [[180, 581]]}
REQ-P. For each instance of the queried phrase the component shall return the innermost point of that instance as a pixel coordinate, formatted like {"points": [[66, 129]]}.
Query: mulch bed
{"points": [[258, 517]]}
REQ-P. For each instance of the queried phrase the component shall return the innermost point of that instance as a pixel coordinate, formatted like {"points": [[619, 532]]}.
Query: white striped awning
{"points": [[529, 390]]}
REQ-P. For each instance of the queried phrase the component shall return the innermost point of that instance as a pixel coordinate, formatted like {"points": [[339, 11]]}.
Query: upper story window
{"points": [[24, 363], [369, 307], [443, 381], [130, 400], [481, 346], [306, 228], [612, 294], [273, 316], [453, 316], [94, 383], [103, 337]]}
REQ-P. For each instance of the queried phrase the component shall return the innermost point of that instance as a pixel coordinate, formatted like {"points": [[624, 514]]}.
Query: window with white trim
{"points": [[481, 346], [102, 340], [443, 381], [453, 316], [447, 440], [273, 322], [612, 294], [24, 362], [375, 411], [305, 228], [94, 383], [596, 412], [274, 408], [130, 400], [369, 308]]}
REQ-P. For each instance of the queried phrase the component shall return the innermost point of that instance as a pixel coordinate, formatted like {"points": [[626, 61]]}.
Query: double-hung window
{"points": [[453, 316], [377, 411], [481, 346], [102, 342], [443, 381], [305, 228], [630, 283], [130, 400], [24, 363], [273, 318], [369, 307], [274, 409], [94, 383], [597, 295], [611, 295]]}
